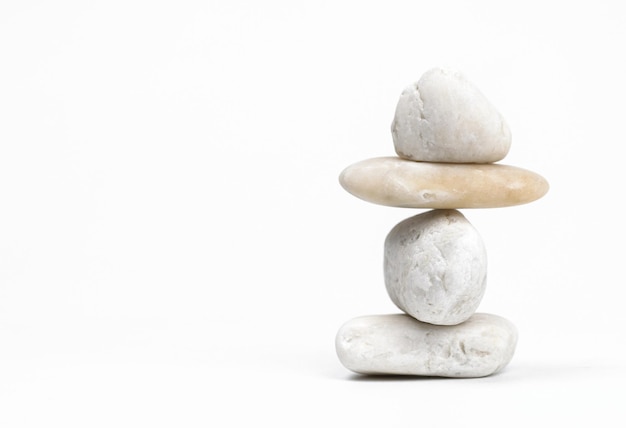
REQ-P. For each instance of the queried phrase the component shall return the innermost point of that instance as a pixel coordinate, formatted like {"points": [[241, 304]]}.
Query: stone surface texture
{"points": [[399, 182], [445, 118], [400, 345], [435, 267]]}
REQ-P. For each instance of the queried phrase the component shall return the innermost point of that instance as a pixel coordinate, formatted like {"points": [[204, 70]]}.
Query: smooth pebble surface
{"points": [[436, 267], [397, 182], [445, 118], [398, 344]]}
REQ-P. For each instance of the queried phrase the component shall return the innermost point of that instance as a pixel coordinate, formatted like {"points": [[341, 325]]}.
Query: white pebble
{"points": [[445, 118], [436, 267], [398, 344]]}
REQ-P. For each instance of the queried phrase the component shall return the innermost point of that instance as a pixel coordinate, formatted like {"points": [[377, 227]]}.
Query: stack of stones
{"points": [[447, 136]]}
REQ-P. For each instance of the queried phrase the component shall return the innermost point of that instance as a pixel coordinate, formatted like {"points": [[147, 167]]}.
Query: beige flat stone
{"points": [[397, 182]]}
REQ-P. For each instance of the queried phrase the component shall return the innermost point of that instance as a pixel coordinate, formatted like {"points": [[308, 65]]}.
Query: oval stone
{"points": [[399, 182], [436, 267], [400, 345], [445, 118]]}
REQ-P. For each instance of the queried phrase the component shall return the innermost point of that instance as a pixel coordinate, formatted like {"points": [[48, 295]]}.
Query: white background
{"points": [[176, 251]]}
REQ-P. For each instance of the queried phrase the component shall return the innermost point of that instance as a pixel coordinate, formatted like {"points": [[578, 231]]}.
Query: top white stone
{"points": [[445, 118]]}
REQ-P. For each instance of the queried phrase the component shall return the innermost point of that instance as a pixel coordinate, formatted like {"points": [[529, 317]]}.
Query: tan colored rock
{"points": [[397, 182]]}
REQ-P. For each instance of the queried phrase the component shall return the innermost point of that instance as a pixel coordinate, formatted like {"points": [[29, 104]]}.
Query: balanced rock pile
{"points": [[447, 136]]}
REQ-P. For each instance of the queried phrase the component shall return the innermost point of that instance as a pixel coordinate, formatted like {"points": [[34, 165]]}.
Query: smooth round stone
{"points": [[436, 267], [400, 345], [399, 182], [445, 118]]}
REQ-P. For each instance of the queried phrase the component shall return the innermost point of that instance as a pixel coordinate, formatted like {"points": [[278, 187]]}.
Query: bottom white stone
{"points": [[399, 344]]}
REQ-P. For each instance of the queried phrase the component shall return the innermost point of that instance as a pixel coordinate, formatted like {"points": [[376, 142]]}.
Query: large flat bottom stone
{"points": [[401, 345]]}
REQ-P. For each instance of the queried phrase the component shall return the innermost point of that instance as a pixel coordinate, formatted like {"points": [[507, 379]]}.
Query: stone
{"points": [[445, 118], [436, 267], [398, 182], [398, 344]]}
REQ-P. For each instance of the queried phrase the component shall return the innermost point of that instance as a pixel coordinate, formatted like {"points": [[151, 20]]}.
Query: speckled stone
{"points": [[399, 344]]}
